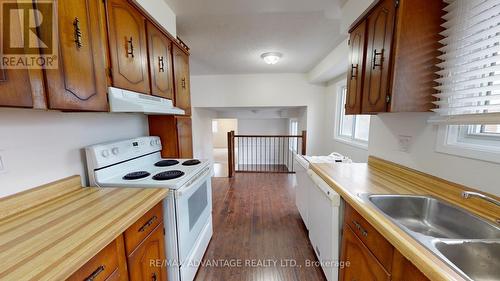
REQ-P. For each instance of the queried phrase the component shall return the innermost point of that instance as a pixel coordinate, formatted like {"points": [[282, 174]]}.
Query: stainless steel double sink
{"points": [[467, 243]]}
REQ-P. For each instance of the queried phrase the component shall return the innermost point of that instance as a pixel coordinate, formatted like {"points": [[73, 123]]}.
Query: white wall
{"points": [[260, 90], [202, 132], [330, 144], [161, 12], [263, 126], [336, 62], [224, 126], [38, 147], [384, 132]]}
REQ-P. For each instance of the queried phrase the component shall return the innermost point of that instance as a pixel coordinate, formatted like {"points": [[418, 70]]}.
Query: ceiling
{"points": [[228, 36]]}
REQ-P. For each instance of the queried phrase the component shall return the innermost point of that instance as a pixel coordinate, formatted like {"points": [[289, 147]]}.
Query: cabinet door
{"points": [[127, 47], [182, 82], [404, 270], [151, 249], [20, 87], [108, 264], [355, 72], [160, 63], [380, 27], [80, 81], [363, 265], [184, 137]]}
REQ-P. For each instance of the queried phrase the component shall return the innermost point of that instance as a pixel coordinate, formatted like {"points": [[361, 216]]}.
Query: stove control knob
{"points": [[158, 142], [115, 150], [105, 153], [153, 142]]}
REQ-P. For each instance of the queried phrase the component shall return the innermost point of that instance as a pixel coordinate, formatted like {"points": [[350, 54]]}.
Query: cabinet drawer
{"points": [[373, 240], [363, 264], [103, 265], [143, 227]]}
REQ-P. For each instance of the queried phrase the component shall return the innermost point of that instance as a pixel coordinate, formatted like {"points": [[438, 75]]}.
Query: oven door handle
{"points": [[194, 182]]}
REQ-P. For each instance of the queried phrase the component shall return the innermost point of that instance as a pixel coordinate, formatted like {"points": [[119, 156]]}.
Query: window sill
{"points": [[351, 142], [463, 149]]}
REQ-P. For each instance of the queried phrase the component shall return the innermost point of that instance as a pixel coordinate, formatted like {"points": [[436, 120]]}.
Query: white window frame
{"points": [[454, 140], [339, 115], [293, 143]]}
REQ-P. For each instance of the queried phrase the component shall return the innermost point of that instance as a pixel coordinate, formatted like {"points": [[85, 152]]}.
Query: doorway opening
{"points": [[220, 127]]}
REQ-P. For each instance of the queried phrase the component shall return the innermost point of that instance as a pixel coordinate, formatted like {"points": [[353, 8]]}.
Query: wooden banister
{"points": [[263, 153]]}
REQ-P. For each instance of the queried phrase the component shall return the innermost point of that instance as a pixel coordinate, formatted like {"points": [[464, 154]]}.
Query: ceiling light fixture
{"points": [[271, 58]]}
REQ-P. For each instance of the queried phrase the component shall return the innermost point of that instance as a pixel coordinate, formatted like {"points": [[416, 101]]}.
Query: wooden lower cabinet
{"points": [[363, 264], [370, 256], [141, 262], [108, 264], [127, 258], [175, 133]]}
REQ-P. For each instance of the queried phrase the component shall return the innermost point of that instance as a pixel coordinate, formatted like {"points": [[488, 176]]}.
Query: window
{"points": [[351, 129], [469, 82], [215, 126], [294, 131]]}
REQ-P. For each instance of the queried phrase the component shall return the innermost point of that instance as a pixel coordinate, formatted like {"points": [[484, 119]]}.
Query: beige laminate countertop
{"points": [[383, 177], [49, 232]]}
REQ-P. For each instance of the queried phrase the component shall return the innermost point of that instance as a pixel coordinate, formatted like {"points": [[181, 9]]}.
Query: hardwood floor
{"points": [[258, 233]]}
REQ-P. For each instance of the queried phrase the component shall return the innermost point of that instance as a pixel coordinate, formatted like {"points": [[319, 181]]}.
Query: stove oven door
{"points": [[193, 210]]}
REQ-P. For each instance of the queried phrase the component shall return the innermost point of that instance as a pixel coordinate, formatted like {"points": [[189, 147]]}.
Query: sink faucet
{"points": [[469, 194]]}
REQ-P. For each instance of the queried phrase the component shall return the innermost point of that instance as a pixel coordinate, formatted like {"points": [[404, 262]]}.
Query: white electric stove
{"points": [[187, 209]]}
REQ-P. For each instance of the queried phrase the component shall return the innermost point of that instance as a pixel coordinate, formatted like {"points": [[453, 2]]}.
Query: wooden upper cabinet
{"points": [[80, 81], [182, 80], [416, 52], [401, 56], [151, 249], [20, 87], [15, 89], [185, 137], [380, 28], [160, 63], [127, 47], [355, 72]]}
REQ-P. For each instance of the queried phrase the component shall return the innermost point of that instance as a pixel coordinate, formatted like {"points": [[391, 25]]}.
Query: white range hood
{"points": [[121, 100]]}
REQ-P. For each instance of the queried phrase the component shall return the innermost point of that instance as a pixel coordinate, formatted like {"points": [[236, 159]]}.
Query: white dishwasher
{"points": [[305, 183], [324, 225]]}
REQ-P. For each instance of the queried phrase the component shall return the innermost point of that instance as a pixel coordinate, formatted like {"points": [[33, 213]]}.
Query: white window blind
{"points": [[469, 80]]}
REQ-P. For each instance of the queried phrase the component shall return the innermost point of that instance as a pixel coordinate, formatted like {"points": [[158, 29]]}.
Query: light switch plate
{"points": [[404, 143], [2, 164]]}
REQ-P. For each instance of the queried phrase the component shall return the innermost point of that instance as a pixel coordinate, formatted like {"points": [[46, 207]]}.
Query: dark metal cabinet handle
{"points": [[360, 228], [375, 54], [96, 273], [148, 224], [78, 33], [353, 67], [154, 277], [161, 64], [183, 83], [130, 50]]}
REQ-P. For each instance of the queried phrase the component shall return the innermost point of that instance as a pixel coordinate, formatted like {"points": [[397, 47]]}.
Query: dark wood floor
{"points": [[258, 233]]}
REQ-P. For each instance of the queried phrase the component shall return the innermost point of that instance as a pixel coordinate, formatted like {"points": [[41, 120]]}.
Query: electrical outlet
{"points": [[404, 143]]}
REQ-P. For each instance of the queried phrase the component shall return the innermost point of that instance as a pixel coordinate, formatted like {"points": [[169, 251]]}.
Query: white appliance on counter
{"points": [[187, 209], [321, 210]]}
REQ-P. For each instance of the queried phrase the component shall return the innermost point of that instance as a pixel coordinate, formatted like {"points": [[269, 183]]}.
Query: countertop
{"points": [[49, 232], [382, 177]]}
